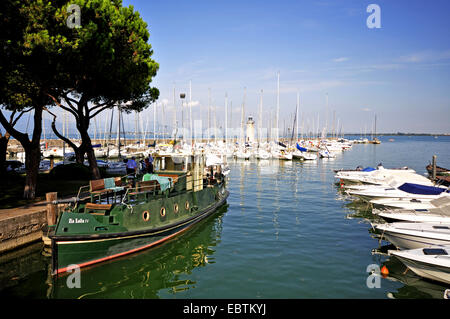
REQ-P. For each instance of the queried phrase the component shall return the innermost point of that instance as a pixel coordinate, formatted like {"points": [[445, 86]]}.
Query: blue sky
{"points": [[399, 72]]}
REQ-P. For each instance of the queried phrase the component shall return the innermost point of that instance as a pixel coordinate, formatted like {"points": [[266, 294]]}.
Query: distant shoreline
{"points": [[403, 134]]}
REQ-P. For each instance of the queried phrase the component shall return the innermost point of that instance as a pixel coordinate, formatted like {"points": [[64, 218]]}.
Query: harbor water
{"points": [[286, 232]]}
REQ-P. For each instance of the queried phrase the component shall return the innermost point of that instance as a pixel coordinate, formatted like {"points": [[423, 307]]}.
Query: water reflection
{"points": [[160, 272]]}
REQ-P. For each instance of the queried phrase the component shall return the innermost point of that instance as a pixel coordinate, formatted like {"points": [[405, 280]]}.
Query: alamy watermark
{"points": [[374, 279], [74, 279], [74, 20], [373, 20]]}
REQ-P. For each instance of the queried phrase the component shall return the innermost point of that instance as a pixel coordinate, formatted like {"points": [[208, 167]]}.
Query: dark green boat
{"points": [[123, 216]]}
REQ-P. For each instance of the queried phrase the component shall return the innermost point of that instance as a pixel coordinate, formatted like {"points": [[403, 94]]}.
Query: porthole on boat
{"points": [[175, 208], [162, 212], [186, 205], [146, 216]]}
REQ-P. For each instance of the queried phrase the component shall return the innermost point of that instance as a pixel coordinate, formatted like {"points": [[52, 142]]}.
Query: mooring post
{"points": [[52, 209], [434, 167]]}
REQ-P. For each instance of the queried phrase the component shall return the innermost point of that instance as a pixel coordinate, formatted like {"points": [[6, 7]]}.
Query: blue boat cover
{"points": [[369, 169], [420, 189], [301, 149], [97, 145]]}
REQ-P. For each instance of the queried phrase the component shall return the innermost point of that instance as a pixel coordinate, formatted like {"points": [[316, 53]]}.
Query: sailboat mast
{"points": [[243, 117], [260, 118], [209, 114], [174, 111], [278, 106], [326, 118], [298, 106], [190, 112], [226, 119]]}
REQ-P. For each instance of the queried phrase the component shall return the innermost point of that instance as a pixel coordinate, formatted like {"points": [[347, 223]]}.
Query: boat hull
{"points": [[86, 250], [413, 241], [426, 270]]}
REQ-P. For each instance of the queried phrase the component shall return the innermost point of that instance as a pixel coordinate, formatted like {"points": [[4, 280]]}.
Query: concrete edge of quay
{"points": [[21, 226]]}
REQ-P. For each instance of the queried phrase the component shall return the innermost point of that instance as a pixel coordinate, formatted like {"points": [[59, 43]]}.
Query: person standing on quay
{"points": [[131, 166]]}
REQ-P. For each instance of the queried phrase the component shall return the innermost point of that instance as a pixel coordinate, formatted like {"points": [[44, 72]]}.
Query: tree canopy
{"points": [[104, 61]]}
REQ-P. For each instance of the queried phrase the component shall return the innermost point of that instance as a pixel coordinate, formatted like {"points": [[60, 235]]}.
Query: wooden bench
{"points": [[97, 187], [146, 186], [97, 207]]}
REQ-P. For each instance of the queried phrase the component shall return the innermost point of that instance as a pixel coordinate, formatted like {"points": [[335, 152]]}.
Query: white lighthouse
{"points": [[250, 130]]}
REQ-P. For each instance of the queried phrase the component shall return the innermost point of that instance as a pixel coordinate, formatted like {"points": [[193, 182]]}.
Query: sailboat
{"points": [[375, 140], [302, 153]]}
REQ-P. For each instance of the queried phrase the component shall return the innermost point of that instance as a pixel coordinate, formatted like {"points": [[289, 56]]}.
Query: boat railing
{"points": [[126, 190]]}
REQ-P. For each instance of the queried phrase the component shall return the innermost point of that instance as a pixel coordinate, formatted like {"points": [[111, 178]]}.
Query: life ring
{"points": [[186, 205], [146, 216], [162, 212], [175, 208]]}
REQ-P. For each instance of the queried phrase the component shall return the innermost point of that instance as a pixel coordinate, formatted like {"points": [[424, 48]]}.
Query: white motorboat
{"points": [[406, 190], [415, 235], [431, 262], [433, 215], [326, 154], [53, 152], [282, 155], [262, 154], [242, 154], [370, 175], [406, 203]]}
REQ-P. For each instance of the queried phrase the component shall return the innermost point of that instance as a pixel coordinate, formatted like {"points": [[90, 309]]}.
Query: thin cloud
{"points": [[426, 56], [341, 59]]}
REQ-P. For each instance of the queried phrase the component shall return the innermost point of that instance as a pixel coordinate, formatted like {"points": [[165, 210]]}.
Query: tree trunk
{"points": [[95, 172], [31, 147], [32, 160], [4, 140], [79, 150]]}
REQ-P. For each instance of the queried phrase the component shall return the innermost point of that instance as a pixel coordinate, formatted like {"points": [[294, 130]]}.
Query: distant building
{"points": [[250, 130]]}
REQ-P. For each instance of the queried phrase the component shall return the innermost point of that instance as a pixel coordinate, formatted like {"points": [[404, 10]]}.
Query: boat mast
{"points": [[118, 135], [326, 118], [243, 117], [226, 120], [209, 114], [154, 124], [190, 112], [298, 106], [174, 112], [278, 107], [260, 118]]}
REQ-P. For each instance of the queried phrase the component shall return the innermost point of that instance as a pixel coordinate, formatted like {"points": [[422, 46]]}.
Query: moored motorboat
{"points": [[408, 203], [433, 215], [406, 190], [415, 235], [431, 262], [123, 217]]}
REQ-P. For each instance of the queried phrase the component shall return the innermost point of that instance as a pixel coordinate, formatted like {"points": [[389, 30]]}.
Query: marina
{"points": [[316, 235], [210, 158]]}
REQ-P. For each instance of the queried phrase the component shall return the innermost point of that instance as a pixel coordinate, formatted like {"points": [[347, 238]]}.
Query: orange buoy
{"points": [[384, 271]]}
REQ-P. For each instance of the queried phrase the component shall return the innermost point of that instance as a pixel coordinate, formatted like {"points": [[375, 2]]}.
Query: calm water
{"points": [[285, 233]]}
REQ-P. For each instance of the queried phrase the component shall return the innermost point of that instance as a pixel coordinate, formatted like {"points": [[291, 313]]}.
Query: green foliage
{"points": [[107, 59]]}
